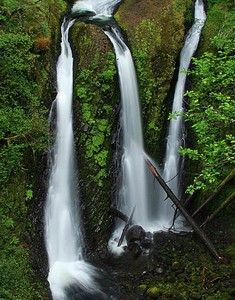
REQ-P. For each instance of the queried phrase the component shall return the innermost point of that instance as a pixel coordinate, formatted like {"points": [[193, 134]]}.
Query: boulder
{"points": [[135, 233]]}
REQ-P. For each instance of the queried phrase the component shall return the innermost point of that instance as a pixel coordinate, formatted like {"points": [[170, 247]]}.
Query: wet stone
{"points": [[135, 233], [135, 248], [159, 270]]}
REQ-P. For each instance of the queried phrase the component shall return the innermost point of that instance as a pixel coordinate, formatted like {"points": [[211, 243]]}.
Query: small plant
{"points": [[42, 44]]}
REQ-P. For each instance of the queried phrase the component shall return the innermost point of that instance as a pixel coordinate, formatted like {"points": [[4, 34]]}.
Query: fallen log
{"points": [[184, 212], [128, 223], [120, 215], [218, 189], [228, 201]]}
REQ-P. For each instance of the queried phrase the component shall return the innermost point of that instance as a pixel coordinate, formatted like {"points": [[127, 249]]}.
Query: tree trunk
{"points": [[219, 188], [178, 204], [121, 215], [126, 227]]}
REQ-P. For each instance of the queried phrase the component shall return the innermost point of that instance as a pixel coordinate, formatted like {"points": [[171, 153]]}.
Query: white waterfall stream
{"points": [[133, 192], [173, 162], [64, 241], [98, 7]]}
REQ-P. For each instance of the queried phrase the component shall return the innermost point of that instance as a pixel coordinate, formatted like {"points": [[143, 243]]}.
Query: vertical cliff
{"points": [[155, 32], [30, 32]]}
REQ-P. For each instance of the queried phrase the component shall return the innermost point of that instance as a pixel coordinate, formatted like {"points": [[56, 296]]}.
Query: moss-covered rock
{"points": [[95, 100], [154, 292], [141, 289]]}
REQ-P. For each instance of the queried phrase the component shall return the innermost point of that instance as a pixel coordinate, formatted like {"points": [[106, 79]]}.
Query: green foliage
{"points": [[95, 91], [23, 126], [23, 133], [211, 112], [22, 116], [29, 193], [155, 61], [142, 58], [21, 285], [218, 21], [18, 280]]}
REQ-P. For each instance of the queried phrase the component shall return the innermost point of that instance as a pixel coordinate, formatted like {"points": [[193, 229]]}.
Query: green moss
{"points": [[142, 288], [220, 16], [18, 279], [154, 292], [29, 35], [95, 99]]}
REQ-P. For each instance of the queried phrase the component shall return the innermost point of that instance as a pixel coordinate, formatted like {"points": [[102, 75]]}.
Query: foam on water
{"points": [[62, 275], [63, 228], [99, 7]]}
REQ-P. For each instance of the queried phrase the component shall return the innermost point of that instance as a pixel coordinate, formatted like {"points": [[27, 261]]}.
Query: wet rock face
{"points": [[138, 240]]}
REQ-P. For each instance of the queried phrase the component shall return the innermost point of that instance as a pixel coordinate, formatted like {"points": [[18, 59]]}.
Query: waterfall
{"points": [[63, 235], [133, 192], [97, 7], [173, 162]]}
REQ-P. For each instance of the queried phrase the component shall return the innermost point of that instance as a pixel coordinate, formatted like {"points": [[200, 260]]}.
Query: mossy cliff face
{"points": [[29, 35], [95, 93], [155, 32]]}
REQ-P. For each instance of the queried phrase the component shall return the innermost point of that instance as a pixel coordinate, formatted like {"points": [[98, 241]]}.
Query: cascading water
{"points": [[173, 162], [98, 7], [133, 191], [64, 241]]}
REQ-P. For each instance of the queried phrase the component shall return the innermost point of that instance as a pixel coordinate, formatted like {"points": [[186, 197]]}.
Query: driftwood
{"points": [[219, 188], [228, 201], [128, 223], [181, 208]]}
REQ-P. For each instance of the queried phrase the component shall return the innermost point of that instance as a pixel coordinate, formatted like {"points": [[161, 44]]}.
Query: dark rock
{"points": [[146, 243], [85, 128], [159, 270], [148, 235], [135, 233], [135, 249]]}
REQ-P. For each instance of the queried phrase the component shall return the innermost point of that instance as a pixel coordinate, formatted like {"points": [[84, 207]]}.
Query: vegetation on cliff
{"points": [[28, 28], [210, 113], [155, 31], [95, 100]]}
